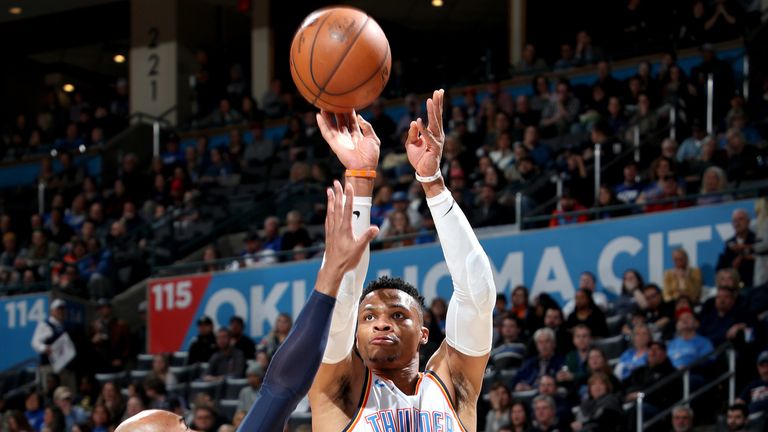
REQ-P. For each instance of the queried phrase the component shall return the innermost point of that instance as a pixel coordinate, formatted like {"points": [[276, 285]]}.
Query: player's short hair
{"points": [[386, 282]]}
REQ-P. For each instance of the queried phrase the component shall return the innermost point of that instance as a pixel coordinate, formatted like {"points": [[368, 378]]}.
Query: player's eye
{"points": [[398, 315], [368, 317]]}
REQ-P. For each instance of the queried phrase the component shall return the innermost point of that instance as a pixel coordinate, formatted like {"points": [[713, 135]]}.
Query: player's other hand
{"points": [[424, 144], [351, 138], [343, 249]]}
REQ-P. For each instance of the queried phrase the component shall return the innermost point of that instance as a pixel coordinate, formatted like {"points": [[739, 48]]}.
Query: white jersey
{"points": [[384, 408]]}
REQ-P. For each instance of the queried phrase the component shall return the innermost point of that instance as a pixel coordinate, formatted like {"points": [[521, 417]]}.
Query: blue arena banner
{"points": [[18, 318], [547, 260]]}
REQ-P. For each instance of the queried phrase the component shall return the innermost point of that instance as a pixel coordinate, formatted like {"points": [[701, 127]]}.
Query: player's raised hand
{"points": [[351, 138], [424, 144], [343, 248]]}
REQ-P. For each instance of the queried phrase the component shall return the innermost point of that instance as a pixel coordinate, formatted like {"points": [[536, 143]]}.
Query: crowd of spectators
{"points": [[570, 368]]}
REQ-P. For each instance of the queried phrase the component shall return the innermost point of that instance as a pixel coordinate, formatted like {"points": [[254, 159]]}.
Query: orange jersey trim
{"points": [[363, 402], [444, 390]]}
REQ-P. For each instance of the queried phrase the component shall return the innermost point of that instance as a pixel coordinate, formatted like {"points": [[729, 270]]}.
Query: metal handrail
{"points": [[687, 396], [686, 198]]}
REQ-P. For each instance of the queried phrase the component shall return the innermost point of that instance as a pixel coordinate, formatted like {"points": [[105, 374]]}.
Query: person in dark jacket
{"points": [[659, 367], [204, 345], [602, 411]]}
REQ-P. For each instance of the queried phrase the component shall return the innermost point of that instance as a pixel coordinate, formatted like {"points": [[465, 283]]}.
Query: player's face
{"points": [[389, 329]]}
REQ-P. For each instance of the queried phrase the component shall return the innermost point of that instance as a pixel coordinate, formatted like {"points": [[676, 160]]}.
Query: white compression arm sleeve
{"points": [[469, 323], [341, 337]]}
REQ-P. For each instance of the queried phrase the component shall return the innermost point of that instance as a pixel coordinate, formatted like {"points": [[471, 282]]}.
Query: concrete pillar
{"points": [[262, 55], [153, 58], [517, 29]]}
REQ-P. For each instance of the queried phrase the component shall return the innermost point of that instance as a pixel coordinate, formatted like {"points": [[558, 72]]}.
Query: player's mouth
{"points": [[383, 340]]}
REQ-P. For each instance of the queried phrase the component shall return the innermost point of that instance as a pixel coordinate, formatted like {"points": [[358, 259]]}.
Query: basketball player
{"points": [[294, 365], [377, 387]]}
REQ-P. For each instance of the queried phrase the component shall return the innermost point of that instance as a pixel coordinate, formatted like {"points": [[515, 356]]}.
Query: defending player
{"points": [[294, 365]]}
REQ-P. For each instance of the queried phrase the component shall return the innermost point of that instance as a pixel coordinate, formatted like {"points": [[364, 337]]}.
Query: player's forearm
{"points": [[469, 322], [293, 367], [350, 287]]}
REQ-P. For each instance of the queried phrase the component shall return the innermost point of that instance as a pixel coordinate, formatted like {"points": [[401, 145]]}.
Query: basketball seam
{"points": [[370, 77], [321, 89], [312, 50], [317, 96]]}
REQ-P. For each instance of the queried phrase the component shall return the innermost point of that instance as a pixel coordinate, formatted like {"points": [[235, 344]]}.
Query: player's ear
{"points": [[424, 336]]}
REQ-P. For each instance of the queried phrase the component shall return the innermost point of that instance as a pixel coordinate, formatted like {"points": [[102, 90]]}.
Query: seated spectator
{"points": [[658, 312], [160, 370], [100, 420], [410, 206], [566, 60], [111, 398], [545, 415], [587, 281], [737, 418], [568, 204], [541, 94], [244, 343], [536, 150], [503, 156], [73, 414], [688, 346], [110, 339], [521, 307], [738, 159], [218, 171], [755, 394], [636, 356], [501, 408], [659, 366], [224, 115], [227, 362], [606, 199], [738, 252], [690, 148], [561, 113], [630, 297], [487, 210], [529, 62], [523, 117], [510, 337], [205, 419], [518, 418], [587, 313], [724, 317], [713, 184], [553, 319], [33, 411], [576, 369], [586, 53], [682, 279], [548, 387], [295, 234], [630, 189], [682, 419], [546, 362], [277, 335], [602, 410], [204, 344], [247, 395]]}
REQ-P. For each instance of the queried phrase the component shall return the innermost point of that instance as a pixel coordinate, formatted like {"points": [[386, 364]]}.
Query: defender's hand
{"points": [[343, 249]]}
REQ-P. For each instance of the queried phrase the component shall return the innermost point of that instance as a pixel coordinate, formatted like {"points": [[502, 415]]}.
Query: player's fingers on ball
{"points": [[413, 132], [354, 125]]}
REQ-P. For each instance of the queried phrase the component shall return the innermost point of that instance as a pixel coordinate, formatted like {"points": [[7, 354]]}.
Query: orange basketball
{"points": [[340, 59]]}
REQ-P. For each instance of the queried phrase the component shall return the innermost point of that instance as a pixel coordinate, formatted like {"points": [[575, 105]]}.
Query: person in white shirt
{"points": [[587, 281], [47, 332]]}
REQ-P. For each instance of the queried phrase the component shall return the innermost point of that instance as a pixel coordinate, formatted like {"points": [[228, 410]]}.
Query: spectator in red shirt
{"points": [[567, 204]]}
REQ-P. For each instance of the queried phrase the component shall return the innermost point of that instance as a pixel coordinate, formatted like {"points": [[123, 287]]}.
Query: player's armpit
{"points": [[338, 386]]}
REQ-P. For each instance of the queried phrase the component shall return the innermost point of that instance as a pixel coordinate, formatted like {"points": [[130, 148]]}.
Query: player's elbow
{"points": [[481, 279]]}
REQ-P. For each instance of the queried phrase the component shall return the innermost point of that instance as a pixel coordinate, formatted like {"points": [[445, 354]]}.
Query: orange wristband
{"points": [[360, 173]]}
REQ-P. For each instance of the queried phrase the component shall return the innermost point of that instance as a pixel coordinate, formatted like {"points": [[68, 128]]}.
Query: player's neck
{"points": [[404, 378]]}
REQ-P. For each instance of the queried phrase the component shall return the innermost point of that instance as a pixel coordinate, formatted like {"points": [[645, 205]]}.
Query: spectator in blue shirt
{"points": [[73, 414], [723, 317], [630, 188], [755, 394], [637, 355], [34, 410], [687, 346], [547, 362]]}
